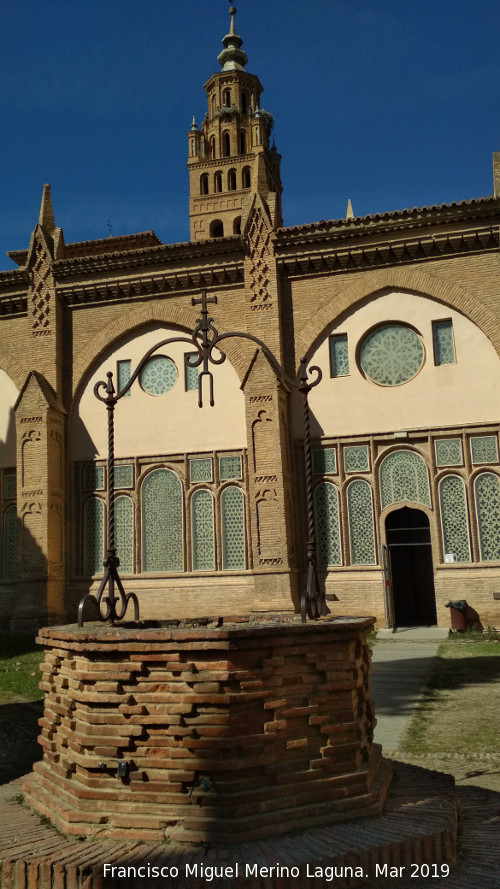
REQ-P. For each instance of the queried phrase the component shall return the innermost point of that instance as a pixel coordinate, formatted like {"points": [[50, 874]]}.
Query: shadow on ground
{"points": [[18, 733], [395, 684]]}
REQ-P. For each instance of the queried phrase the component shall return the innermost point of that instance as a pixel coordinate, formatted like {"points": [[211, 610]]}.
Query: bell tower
{"points": [[229, 157]]}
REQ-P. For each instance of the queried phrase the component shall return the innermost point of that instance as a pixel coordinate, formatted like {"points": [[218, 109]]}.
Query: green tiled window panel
{"points": [[356, 458], [162, 526], [326, 517], [124, 476], [324, 461], [191, 373], [442, 338], [484, 449], [202, 531], [9, 543], [9, 486], [454, 517], [487, 491], [229, 468], [448, 452], [339, 355], [233, 528], [391, 355], [123, 374], [158, 375], [124, 533], [93, 536], [404, 476], [93, 478], [361, 529], [200, 469]]}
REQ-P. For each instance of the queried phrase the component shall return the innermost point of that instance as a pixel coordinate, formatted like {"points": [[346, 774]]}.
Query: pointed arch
{"points": [[410, 280]]}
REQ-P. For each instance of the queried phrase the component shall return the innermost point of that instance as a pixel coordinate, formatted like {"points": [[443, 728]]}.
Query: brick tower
{"points": [[229, 157]]}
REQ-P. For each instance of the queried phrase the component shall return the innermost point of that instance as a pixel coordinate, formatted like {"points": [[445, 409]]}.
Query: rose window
{"points": [[391, 354]]}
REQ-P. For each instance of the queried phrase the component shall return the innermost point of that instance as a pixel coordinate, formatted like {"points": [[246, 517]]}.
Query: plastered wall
{"points": [[147, 424], [438, 396]]}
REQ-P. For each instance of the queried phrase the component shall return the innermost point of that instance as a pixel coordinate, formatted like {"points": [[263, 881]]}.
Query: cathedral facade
{"points": [[399, 311]]}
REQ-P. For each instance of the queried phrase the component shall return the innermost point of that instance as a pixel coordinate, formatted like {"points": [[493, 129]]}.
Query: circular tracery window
{"points": [[158, 375], [391, 354]]}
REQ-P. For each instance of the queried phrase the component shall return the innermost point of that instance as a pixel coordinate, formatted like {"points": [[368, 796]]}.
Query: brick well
{"points": [[228, 733]]}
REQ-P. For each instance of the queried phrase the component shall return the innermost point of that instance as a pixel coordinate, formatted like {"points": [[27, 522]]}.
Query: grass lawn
{"points": [[19, 669], [460, 708]]}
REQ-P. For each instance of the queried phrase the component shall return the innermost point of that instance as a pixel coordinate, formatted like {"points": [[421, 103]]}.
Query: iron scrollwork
{"points": [[205, 339]]}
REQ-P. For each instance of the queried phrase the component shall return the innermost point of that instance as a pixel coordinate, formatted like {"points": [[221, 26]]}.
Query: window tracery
{"points": [[391, 354], [454, 517], [404, 476]]}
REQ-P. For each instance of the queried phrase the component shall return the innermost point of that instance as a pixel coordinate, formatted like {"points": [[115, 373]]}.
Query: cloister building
{"points": [[400, 311]]}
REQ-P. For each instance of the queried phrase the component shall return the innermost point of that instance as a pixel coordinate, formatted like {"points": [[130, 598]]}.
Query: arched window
{"points": [[124, 533], [232, 528], [243, 143], [231, 180], [226, 98], [361, 531], [162, 531], [237, 225], [212, 147], [216, 229], [9, 543], [93, 535], [326, 519], [202, 531], [245, 177], [404, 476], [204, 183], [487, 491], [244, 102], [213, 106], [454, 517], [218, 182], [226, 144]]}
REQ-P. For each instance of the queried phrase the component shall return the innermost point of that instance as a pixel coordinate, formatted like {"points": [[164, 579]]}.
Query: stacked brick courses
{"points": [[236, 732]]}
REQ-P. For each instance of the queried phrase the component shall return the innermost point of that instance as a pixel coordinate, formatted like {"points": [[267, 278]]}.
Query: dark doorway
{"points": [[409, 542]]}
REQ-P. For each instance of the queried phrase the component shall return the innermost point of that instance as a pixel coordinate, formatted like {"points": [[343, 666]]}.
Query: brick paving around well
{"points": [[33, 855]]}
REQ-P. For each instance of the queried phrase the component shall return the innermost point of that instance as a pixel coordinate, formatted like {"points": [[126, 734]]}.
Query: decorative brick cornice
{"points": [[399, 220], [127, 289], [353, 257], [13, 287], [194, 255]]}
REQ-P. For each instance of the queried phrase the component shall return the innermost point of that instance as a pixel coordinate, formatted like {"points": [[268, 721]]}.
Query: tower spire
{"points": [[232, 57]]}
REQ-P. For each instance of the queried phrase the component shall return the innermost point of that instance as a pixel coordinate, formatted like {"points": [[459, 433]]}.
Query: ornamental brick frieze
{"points": [[260, 252], [258, 399], [268, 525], [40, 294], [375, 256], [127, 290], [13, 304], [262, 442]]}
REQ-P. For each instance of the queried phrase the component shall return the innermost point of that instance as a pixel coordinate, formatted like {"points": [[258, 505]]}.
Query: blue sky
{"points": [[393, 103]]}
